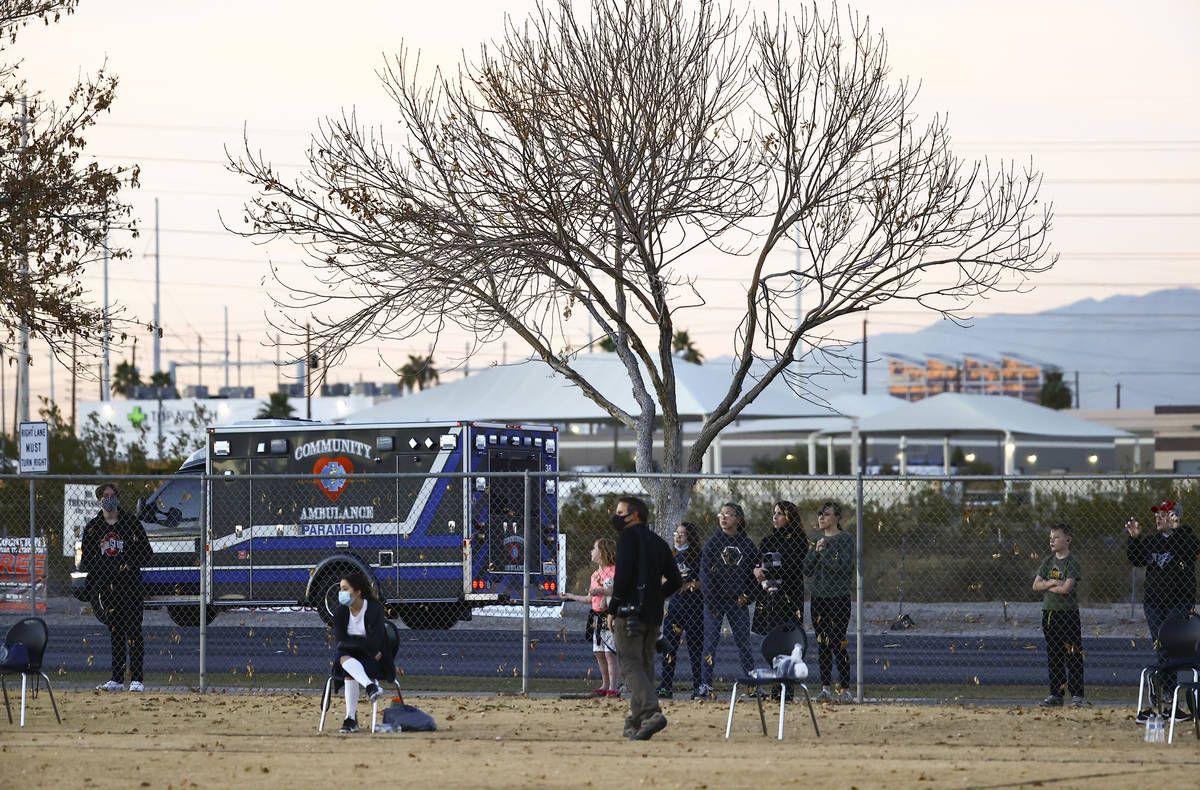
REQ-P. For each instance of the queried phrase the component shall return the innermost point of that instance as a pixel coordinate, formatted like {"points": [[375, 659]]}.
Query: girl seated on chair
{"points": [[361, 642]]}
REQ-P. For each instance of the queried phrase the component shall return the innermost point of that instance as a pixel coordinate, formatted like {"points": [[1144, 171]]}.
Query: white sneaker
{"points": [[824, 696], [135, 685], [845, 697], [111, 685]]}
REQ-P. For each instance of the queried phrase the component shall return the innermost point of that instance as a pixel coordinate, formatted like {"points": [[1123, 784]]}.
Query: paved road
{"points": [[892, 658]]}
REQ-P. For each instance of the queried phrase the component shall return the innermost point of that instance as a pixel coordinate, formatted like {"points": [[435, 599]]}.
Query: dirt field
{"points": [[180, 741]]}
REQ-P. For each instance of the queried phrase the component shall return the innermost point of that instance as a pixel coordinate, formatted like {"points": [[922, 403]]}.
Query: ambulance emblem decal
{"points": [[331, 475]]}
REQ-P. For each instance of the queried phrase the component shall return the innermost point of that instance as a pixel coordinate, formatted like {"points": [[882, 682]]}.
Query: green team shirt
{"points": [[1054, 569]]}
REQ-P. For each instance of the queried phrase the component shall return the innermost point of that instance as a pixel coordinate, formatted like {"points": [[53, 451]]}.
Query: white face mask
{"points": [[344, 597]]}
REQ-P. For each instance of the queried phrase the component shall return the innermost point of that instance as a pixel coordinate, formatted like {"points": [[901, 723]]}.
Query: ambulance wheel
{"points": [[188, 616], [325, 594]]}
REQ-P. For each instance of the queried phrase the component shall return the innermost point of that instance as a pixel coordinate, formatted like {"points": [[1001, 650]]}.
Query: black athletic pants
{"points": [[125, 633], [1064, 651], [830, 619]]}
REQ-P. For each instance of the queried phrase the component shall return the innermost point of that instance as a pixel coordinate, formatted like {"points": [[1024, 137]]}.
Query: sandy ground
{"points": [[179, 741]]}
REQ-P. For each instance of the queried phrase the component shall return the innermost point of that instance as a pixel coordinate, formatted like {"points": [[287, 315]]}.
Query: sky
{"points": [[1101, 96]]}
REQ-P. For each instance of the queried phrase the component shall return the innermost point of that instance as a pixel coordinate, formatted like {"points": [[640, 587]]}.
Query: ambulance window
{"points": [[181, 496]]}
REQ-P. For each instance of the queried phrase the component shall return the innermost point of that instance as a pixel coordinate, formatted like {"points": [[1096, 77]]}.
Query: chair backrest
{"points": [[33, 633], [780, 640], [1179, 637], [393, 637]]}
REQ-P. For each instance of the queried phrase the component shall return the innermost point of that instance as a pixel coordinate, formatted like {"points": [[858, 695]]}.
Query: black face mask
{"points": [[618, 522]]}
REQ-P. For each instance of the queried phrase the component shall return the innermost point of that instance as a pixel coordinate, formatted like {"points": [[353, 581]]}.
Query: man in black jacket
{"points": [[1169, 556], [114, 549], [645, 575]]}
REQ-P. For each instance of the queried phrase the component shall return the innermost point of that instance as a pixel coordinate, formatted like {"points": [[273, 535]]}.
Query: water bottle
{"points": [[1159, 729]]}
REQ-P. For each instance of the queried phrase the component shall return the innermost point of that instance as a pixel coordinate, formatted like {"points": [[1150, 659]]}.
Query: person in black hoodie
{"points": [[362, 644], [645, 576], [727, 583], [113, 550], [1169, 557], [781, 601], [685, 612]]}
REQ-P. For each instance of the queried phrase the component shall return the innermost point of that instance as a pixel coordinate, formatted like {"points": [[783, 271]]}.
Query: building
{"points": [[1011, 374]]}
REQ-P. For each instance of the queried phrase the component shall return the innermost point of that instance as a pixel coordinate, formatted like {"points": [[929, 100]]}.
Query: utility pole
{"points": [[74, 380], [862, 447], [864, 357], [307, 372], [199, 360], [157, 320], [1118, 394], [239, 359], [1077, 389], [104, 368], [226, 345], [22, 404]]}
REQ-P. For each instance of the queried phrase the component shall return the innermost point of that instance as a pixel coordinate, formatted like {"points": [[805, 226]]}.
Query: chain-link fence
{"points": [[927, 583]]}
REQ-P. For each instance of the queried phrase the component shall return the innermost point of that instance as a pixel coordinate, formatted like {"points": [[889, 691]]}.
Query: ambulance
{"points": [[433, 514]]}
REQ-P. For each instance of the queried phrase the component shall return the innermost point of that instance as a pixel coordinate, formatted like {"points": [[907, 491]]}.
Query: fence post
{"points": [[525, 586], [205, 559], [858, 573], [33, 550]]}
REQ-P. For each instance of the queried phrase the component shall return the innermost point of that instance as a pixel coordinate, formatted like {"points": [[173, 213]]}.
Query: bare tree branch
{"points": [[579, 162]]}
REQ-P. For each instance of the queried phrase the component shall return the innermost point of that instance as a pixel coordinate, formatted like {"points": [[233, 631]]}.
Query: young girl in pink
{"points": [[604, 554]]}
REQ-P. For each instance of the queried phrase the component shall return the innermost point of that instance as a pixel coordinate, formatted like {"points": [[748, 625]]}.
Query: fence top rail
{"points": [[569, 475]]}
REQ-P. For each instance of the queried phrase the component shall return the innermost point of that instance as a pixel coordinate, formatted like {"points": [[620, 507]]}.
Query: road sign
{"points": [[35, 448]]}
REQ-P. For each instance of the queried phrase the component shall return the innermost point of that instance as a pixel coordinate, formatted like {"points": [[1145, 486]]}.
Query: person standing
{"points": [[1169, 557], [782, 600], [1057, 578], [727, 583], [113, 550], [604, 554], [685, 612], [830, 563], [646, 576]]}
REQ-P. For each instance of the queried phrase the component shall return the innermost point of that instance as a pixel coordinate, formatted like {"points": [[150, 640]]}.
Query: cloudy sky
{"points": [[1101, 95]]}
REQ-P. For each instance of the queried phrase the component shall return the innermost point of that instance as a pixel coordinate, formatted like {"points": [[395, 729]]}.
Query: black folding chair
{"points": [[1180, 640], [780, 641], [33, 633], [337, 676]]}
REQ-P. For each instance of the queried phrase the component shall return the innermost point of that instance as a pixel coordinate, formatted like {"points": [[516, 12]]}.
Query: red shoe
{"points": [[600, 692], [612, 693]]}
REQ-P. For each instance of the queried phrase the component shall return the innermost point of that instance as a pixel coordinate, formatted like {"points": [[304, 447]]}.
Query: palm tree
{"points": [[276, 408], [125, 377], [680, 341], [418, 373], [1055, 393]]}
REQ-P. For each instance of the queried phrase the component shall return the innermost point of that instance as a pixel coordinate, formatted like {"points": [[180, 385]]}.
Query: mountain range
{"points": [[1148, 344]]}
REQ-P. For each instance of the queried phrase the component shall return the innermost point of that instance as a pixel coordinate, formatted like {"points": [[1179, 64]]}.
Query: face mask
{"points": [[618, 523], [684, 547], [109, 503], [344, 597]]}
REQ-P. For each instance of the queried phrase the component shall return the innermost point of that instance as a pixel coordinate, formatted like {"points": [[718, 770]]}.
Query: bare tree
{"points": [[55, 210], [584, 158]]}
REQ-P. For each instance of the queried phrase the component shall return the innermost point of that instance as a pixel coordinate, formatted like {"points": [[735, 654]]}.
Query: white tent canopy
{"points": [[531, 391], [956, 413]]}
